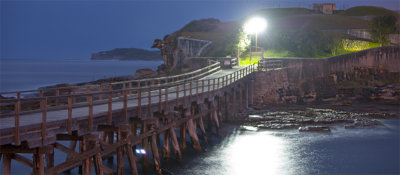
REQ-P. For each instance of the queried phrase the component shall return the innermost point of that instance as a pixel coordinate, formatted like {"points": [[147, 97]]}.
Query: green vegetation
{"points": [[366, 11], [381, 26], [291, 32]]}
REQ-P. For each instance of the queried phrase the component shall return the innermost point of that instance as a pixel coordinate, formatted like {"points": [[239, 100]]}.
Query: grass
{"points": [[366, 11], [270, 53]]}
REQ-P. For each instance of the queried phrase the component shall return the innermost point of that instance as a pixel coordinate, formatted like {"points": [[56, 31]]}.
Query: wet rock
{"points": [[315, 129]]}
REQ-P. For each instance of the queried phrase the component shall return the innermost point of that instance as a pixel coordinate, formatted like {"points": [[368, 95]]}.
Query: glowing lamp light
{"points": [[140, 151], [255, 25]]}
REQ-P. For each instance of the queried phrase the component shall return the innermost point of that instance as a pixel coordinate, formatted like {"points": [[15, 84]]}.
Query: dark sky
{"points": [[74, 29]]}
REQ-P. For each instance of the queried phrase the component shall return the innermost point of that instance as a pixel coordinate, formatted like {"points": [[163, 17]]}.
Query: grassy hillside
{"points": [[291, 32], [366, 11]]}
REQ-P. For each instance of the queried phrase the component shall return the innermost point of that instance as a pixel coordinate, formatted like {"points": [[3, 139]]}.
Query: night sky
{"points": [[75, 29]]}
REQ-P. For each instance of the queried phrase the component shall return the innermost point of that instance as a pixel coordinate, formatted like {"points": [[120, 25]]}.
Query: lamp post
{"points": [[254, 26]]}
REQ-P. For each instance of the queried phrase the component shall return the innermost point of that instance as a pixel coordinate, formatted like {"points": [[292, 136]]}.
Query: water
{"points": [[288, 152], [28, 74]]}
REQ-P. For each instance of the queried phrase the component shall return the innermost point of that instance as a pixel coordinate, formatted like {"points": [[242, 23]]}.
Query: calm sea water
{"points": [[289, 152], [283, 152], [28, 74]]}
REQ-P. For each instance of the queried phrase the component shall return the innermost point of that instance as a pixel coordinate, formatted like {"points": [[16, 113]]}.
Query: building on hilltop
{"points": [[325, 8]]}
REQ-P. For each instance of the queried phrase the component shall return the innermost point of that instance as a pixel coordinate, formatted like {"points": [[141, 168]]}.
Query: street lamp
{"points": [[254, 26]]}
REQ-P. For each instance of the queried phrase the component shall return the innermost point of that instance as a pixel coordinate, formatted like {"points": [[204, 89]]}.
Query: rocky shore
{"points": [[311, 118]]}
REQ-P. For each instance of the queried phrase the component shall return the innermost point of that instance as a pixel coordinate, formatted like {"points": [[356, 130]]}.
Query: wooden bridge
{"points": [[106, 120]]}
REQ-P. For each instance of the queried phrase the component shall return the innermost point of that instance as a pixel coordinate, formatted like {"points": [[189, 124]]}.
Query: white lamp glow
{"points": [[255, 25]]}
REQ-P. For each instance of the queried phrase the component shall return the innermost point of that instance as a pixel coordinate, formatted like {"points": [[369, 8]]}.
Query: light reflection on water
{"points": [[290, 152], [255, 153]]}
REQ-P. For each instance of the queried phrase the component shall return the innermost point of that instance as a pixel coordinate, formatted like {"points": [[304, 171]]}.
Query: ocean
{"points": [[29, 74]]}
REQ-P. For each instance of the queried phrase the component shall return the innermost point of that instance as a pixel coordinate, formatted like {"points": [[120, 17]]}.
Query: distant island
{"points": [[127, 54]]}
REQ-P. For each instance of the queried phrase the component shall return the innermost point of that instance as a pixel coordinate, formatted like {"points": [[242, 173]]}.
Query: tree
{"points": [[381, 26]]}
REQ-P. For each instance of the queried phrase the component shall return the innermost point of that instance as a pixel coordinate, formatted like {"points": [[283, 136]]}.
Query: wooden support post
{"points": [[149, 113], [177, 96], [183, 135], [191, 124], [130, 87], [50, 158], [90, 119], [202, 88], [139, 107], [213, 86], [166, 149], [7, 163], [86, 162], [156, 156], [166, 100], [125, 109], [73, 95], [43, 106], [175, 144], [159, 100], [109, 103], [38, 163], [215, 117], [17, 110], [101, 92], [69, 122], [197, 91], [145, 141], [184, 93], [190, 92], [208, 91], [124, 131], [93, 143], [203, 131], [120, 156], [57, 97]]}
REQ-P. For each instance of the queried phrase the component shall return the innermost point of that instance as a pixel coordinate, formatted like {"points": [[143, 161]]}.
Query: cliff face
{"points": [[367, 75], [127, 54]]}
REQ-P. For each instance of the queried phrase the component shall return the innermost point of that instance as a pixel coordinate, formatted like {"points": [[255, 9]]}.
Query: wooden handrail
{"points": [[70, 103]]}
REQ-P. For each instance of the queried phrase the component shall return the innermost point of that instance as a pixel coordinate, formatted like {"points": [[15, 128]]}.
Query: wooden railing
{"points": [[83, 89], [141, 97]]}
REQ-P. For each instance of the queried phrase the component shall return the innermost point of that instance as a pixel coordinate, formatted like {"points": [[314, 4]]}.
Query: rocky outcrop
{"points": [[127, 54], [144, 73], [372, 74]]}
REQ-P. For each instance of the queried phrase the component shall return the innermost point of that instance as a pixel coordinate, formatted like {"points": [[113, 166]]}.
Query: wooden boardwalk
{"points": [[137, 115]]}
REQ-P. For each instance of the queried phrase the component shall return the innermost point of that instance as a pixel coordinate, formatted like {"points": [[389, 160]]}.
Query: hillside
{"points": [[366, 11], [290, 32], [127, 54]]}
